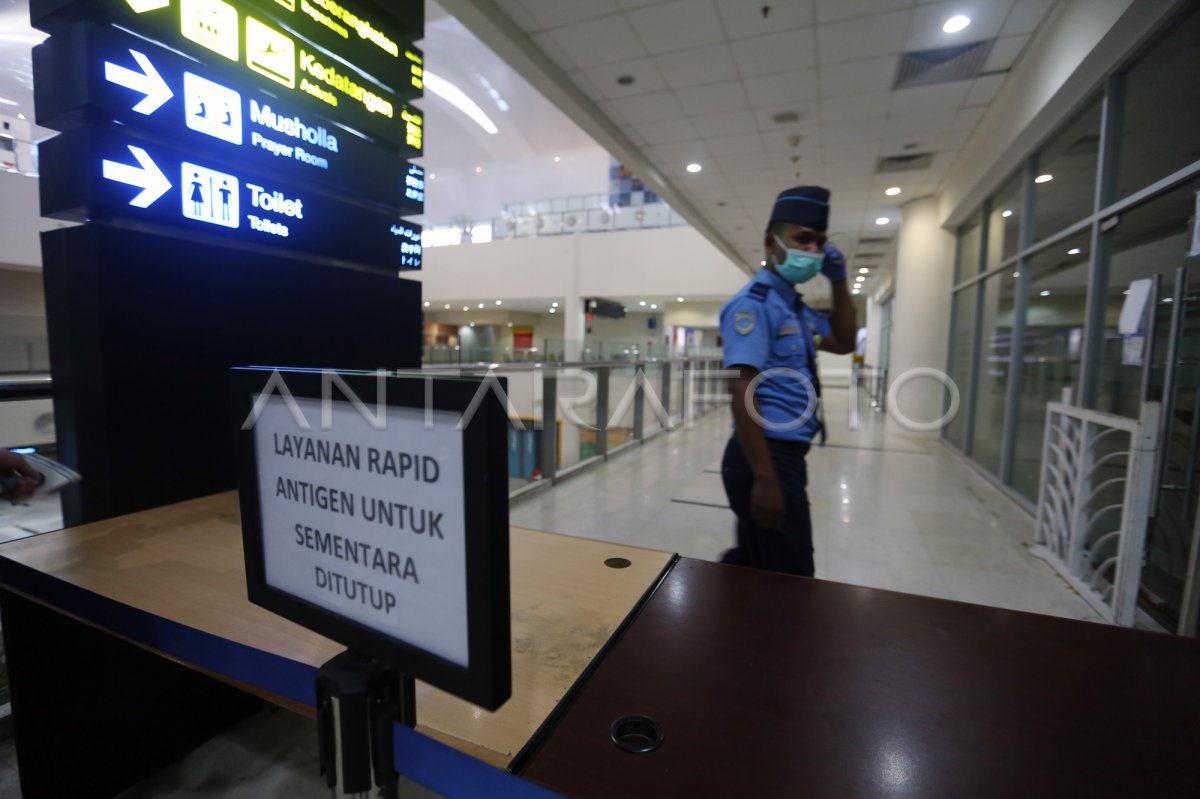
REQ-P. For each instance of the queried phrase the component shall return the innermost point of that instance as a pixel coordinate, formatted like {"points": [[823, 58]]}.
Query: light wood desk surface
{"points": [[184, 563]]}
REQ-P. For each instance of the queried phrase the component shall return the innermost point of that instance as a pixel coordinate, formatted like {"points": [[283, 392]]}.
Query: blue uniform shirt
{"points": [[765, 326]]}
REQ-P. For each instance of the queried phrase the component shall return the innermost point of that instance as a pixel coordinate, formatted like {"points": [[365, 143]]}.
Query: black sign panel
{"points": [[95, 173], [264, 53], [393, 542], [89, 73]]}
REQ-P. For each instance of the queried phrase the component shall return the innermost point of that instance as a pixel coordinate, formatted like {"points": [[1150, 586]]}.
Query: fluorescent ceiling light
{"points": [[694, 168], [956, 24], [457, 98], [893, 191], [6, 101], [1043, 178]]}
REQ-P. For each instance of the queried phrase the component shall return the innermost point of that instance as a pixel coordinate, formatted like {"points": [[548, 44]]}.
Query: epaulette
{"points": [[759, 291]]}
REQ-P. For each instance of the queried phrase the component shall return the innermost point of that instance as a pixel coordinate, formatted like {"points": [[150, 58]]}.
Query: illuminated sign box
{"points": [[101, 173], [89, 73], [266, 53], [375, 512]]}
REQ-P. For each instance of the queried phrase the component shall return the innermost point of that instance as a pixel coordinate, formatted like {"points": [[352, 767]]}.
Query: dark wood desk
{"points": [[770, 686]]}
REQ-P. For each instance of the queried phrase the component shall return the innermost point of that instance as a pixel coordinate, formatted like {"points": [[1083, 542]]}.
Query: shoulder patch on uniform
{"points": [[744, 322], [759, 291]]}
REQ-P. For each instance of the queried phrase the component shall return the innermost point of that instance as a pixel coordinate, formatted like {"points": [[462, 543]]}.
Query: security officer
{"points": [[771, 338]]}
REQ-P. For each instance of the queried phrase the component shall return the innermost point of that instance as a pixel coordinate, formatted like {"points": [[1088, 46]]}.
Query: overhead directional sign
{"points": [[90, 73], [362, 80], [96, 173]]}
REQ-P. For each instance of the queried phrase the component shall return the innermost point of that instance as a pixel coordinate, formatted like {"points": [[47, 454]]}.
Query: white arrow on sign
{"points": [[147, 82], [139, 6], [147, 177]]}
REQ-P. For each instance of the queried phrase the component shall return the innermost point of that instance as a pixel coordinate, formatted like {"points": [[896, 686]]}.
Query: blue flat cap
{"points": [[803, 205]]}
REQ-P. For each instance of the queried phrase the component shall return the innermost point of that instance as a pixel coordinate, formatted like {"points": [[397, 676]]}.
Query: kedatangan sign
{"points": [[375, 512]]}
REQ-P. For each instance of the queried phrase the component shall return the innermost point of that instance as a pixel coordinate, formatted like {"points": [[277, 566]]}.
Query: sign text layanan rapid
{"points": [[348, 57]]}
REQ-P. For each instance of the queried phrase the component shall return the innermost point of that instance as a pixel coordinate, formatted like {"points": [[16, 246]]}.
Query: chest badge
{"points": [[744, 322]]}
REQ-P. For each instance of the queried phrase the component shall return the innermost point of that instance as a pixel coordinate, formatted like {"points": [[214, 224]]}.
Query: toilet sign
{"points": [[375, 512]]}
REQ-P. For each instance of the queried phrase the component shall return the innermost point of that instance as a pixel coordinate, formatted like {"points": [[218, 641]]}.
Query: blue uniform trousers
{"points": [[788, 549]]}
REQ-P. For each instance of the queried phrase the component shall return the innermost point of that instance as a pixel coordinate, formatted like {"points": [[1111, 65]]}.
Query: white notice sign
{"points": [[368, 523]]}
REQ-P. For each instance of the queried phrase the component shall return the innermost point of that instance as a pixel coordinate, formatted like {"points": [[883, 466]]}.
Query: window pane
{"points": [[1162, 109], [1067, 169], [968, 251], [1053, 346], [1151, 239], [962, 345], [1004, 222], [996, 345]]}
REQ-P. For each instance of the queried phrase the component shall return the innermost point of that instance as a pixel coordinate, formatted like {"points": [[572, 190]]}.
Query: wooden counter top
{"points": [[184, 563]]}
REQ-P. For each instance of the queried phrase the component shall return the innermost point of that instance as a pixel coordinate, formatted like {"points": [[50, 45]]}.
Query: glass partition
{"points": [[994, 352], [969, 239], [962, 355], [1064, 189], [1004, 223]]}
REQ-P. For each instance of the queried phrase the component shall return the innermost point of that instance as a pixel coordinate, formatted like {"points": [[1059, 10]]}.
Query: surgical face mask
{"points": [[798, 266]]}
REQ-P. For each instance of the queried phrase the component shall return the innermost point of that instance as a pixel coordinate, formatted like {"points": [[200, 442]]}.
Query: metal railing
{"points": [[1094, 504]]}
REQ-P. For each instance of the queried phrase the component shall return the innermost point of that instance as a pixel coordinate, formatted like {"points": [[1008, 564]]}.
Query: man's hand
{"points": [[30, 479], [834, 266], [766, 503]]}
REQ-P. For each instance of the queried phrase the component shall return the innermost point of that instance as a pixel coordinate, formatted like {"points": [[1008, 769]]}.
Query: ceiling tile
{"points": [[987, 17], [677, 155], [836, 10], [787, 87], [851, 132], [555, 13], [517, 13], [677, 25], [649, 107], [1026, 16], [967, 119], [984, 89], [926, 99], [630, 4], [745, 17], [734, 164], [1004, 53], [646, 78], [916, 126], [792, 141], [696, 67], [725, 124], [859, 77], [953, 141], [603, 41], [840, 170], [855, 108], [701, 100], [735, 145], [757, 178], [777, 52], [552, 49], [865, 37], [585, 85], [838, 151], [671, 130]]}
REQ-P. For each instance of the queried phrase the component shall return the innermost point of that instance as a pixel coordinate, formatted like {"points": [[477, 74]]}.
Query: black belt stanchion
{"points": [[358, 700]]}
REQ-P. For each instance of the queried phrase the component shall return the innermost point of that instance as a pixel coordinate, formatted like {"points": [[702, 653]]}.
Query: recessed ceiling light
{"points": [[956, 24], [1168, 300], [763, 263], [1074, 251], [432, 176], [642, 303], [446, 307], [1007, 213], [1045, 294], [426, 303], [679, 299], [20, 116], [883, 220], [553, 310], [557, 159], [856, 291], [554, 305], [1043, 178], [654, 307], [863, 271], [1016, 274], [1125, 292], [465, 308], [499, 302], [472, 324], [892, 192], [694, 168], [481, 305]]}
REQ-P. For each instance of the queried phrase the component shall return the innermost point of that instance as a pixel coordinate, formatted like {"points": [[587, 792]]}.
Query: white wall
{"points": [[20, 222]]}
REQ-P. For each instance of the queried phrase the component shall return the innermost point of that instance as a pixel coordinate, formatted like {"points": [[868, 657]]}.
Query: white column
{"points": [[921, 316], [574, 317]]}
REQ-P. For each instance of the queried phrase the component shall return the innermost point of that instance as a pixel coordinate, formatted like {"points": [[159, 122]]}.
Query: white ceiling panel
{"points": [[698, 66], [607, 40], [851, 151], [672, 130], [735, 145], [645, 74], [1025, 16], [777, 52], [556, 53], [555, 13], [987, 18], [744, 18], [713, 98], [967, 119], [587, 86], [677, 25], [848, 132], [864, 37], [1004, 53], [918, 125], [838, 10], [649, 107], [734, 164], [726, 124], [785, 87], [517, 13], [926, 99], [858, 77], [855, 108], [984, 89]]}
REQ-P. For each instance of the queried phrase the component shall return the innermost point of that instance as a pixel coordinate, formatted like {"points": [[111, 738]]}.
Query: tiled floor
{"points": [[890, 510]]}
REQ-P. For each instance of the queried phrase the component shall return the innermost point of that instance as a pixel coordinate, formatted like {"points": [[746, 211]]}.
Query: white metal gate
{"points": [[1095, 540]]}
